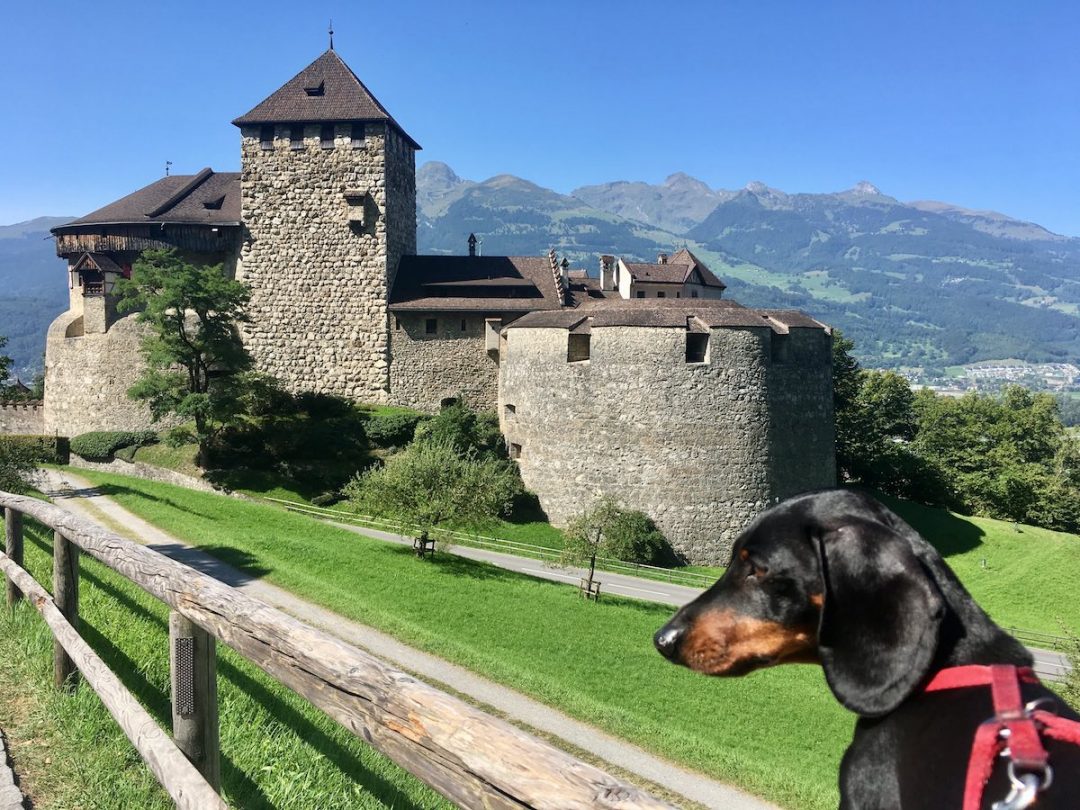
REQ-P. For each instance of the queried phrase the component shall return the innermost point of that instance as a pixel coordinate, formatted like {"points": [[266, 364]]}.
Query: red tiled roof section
{"points": [[206, 198], [474, 283], [326, 90]]}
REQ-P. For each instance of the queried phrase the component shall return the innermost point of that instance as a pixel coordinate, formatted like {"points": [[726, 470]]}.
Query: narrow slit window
{"points": [[326, 136], [515, 450], [510, 409], [266, 137], [357, 136], [296, 136], [397, 324], [697, 347], [431, 326], [577, 348], [464, 325]]}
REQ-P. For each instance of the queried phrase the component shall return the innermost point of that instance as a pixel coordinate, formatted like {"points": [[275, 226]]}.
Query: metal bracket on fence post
{"points": [[193, 665]]}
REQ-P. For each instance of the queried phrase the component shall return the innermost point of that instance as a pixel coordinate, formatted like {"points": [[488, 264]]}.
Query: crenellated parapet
{"points": [[22, 416]]}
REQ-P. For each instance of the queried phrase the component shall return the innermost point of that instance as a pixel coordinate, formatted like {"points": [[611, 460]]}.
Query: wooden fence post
{"points": [[66, 597], [193, 666], [13, 546]]}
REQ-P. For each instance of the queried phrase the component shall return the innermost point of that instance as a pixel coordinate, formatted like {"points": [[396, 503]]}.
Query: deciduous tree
{"points": [[607, 529]]}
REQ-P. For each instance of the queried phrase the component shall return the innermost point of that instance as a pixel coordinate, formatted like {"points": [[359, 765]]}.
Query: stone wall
{"points": [[22, 417], [686, 443], [803, 435], [323, 226], [87, 377], [427, 368]]}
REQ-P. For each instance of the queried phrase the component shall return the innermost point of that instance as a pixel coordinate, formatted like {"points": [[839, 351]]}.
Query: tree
{"points": [[195, 360], [846, 384], [5, 365], [607, 529], [435, 486], [16, 462]]}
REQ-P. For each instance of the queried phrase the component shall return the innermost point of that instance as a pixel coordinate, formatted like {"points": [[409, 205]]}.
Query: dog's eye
{"points": [[755, 571]]}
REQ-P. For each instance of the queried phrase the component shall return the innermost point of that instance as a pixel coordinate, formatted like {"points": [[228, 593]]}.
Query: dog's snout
{"points": [[667, 640]]}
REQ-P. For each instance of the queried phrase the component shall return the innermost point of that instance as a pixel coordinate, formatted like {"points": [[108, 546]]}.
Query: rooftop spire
{"points": [[331, 32]]}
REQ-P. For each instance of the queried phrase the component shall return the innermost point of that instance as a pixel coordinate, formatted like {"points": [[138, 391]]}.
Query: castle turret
{"points": [[329, 206]]}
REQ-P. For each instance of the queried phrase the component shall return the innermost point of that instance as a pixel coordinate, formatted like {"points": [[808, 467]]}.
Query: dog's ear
{"points": [[880, 618]]}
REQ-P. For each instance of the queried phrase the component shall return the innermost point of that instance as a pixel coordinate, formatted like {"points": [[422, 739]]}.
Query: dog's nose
{"points": [[667, 640]]}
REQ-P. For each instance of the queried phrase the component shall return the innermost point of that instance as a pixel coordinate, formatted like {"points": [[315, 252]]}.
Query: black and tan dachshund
{"points": [[835, 578]]}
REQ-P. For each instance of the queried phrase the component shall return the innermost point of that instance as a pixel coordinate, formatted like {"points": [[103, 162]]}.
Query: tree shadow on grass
{"points": [[950, 534], [226, 564], [447, 562], [113, 490]]}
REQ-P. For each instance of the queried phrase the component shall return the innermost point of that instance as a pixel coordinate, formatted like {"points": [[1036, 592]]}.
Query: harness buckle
{"points": [[1024, 789]]}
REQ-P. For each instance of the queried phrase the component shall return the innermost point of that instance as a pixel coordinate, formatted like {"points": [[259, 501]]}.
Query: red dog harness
{"points": [[1013, 725]]}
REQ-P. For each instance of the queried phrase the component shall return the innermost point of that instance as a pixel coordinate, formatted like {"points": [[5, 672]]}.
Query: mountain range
{"points": [[919, 283]]}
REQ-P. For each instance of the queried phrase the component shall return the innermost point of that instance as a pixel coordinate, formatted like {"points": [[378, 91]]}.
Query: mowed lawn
{"points": [[777, 733], [277, 750]]}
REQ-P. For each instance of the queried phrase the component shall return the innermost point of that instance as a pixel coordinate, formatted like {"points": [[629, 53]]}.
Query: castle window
{"points": [[397, 323], [697, 347], [778, 348], [577, 348], [431, 326], [316, 90], [693, 293], [266, 137], [464, 325], [640, 293], [515, 451], [296, 136], [214, 204], [357, 136], [326, 136], [510, 409], [678, 295], [661, 294]]}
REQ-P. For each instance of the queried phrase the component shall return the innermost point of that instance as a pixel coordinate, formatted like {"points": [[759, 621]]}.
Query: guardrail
{"points": [[472, 758], [543, 553]]}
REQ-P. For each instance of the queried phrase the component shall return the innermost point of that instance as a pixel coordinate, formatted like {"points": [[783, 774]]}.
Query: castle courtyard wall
{"points": [[22, 417], [452, 363], [87, 377], [319, 283], [686, 443]]}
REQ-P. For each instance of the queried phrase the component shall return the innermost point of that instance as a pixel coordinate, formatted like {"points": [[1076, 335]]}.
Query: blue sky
{"points": [[976, 104]]}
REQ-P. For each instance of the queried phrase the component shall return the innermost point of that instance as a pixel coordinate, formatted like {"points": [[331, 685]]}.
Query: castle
{"points": [[643, 383]]}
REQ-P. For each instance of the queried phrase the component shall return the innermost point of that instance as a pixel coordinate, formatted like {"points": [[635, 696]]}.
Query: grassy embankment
{"points": [[595, 661], [277, 751]]}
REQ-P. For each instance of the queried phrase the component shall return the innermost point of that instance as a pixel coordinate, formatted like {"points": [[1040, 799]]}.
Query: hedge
{"points": [[391, 429], [41, 449], [100, 445]]}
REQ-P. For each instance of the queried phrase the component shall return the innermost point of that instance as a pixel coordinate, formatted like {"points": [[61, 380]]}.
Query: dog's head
{"points": [[831, 577]]}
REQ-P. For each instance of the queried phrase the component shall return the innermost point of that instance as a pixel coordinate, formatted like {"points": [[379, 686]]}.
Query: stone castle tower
{"points": [[328, 203]]}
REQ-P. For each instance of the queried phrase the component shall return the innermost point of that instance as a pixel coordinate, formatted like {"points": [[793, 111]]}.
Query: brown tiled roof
{"points": [[489, 283], [677, 313], [677, 270], [208, 198], [326, 90]]}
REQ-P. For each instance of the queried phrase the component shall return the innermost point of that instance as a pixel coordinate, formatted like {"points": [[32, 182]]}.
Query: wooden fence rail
{"points": [[475, 760]]}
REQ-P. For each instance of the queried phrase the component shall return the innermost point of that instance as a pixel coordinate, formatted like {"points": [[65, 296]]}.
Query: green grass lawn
{"points": [[277, 751], [594, 661]]}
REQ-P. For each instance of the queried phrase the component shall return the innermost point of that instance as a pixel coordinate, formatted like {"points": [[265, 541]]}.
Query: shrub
{"points": [[464, 429], [387, 429], [39, 449], [100, 445]]}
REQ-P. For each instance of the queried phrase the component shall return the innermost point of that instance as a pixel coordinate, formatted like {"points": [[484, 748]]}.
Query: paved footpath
{"points": [[77, 495]]}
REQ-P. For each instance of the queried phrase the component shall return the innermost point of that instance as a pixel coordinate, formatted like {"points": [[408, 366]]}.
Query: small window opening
{"points": [[577, 348], [678, 295], [693, 293], [447, 402], [778, 348], [464, 325], [316, 90], [397, 324], [357, 135], [326, 136], [431, 326], [515, 450], [640, 293], [266, 137], [510, 409], [296, 136], [214, 204], [697, 347], [661, 294]]}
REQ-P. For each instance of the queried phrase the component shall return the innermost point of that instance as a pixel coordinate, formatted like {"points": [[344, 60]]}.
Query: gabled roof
{"points": [[206, 198], [325, 91], [678, 269], [97, 261], [473, 283]]}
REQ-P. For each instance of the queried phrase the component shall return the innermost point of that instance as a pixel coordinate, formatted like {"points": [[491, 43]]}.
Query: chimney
{"points": [[565, 266], [661, 259], [607, 272], [472, 244]]}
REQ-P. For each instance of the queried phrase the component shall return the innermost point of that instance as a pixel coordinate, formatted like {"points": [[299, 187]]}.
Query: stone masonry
{"points": [[22, 417], [319, 275], [690, 444], [452, 363]]}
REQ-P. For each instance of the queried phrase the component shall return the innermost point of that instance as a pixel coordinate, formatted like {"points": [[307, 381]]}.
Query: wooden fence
{"points": [[473, 759]]}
